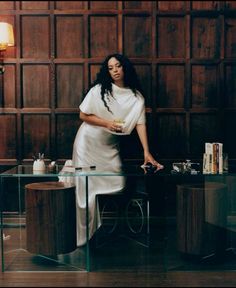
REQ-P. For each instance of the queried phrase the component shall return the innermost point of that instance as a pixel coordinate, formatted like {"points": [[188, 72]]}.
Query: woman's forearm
{"points": [[142, 133], [93, 119], [97, 121]]}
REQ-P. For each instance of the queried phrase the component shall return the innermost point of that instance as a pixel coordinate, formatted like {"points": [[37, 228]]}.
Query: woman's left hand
{"points": [[148, 158]]}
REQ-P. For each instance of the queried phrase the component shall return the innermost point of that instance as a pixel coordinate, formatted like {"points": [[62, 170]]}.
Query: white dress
{"points": [[97, 146]]}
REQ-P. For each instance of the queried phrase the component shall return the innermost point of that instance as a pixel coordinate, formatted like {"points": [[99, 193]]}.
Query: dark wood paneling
{"points": [[68, 5], [230, 137], [205, 5], [171, 5], [137, 36], [8, 5], [230, 86], [37, 5], [93, 70], [35, 36], [230, 42], [103, 5], [137, 4], [69, 85], [171, 129], [69, 37], [8, 143], [10, 86], [65, 136], [204, 128], [184, 53], [205, 38], [103, 35], [230, 4], [36, 135], [171, 37], [145, 75], [205, 90], [170, 91], [35, 86]]}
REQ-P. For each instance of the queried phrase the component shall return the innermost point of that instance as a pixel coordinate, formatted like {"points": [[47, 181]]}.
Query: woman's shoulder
{"points": [[95, 90], [140, 96]]}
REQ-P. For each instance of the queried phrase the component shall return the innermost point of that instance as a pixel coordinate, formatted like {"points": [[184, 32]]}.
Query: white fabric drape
{"points": [[98, 146]]}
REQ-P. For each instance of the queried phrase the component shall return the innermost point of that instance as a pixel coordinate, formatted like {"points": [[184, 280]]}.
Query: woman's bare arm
{"points": [[97, 121], [142, 133]]}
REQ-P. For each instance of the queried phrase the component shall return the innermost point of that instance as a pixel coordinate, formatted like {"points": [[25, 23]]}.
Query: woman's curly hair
{"points": [[104, 78]]}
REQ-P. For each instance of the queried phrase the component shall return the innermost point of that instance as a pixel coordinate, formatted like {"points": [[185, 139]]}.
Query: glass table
{"points": [[198, 210]]}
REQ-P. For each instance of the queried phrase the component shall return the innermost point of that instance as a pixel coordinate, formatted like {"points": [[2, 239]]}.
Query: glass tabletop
{"points": [[124, 170]]}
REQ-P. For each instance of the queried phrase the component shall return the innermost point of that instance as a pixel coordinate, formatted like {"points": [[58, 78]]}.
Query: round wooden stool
{"points": [[50, 218], [201, 218]]}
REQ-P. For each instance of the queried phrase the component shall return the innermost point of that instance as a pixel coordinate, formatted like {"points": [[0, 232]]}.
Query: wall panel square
{"points": [[9, 86], [103, 5], [205, 38], [203, 128], [171, 5], [69, 79], [230, 86], [137, 4], [93, 70], [68, 5], [69, 37], [8, 143], [137, 36], [36, 135], [67, 126], [37, 5], [35, 34], [171, 129], [8, 5], [230, 4], [170, 86], [35, 86], [144, 73], [103, 35], [205, 86], [204, 5], [230, 136], [171, 37], [230, 39]]}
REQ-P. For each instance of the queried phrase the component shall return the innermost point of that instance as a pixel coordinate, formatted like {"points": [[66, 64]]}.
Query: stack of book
{"points": [[213, 158]]}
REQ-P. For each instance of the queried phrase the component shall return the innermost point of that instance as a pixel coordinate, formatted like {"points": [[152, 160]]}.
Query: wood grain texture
{"points": [[50, 218], [184, 52], [201, 218]]}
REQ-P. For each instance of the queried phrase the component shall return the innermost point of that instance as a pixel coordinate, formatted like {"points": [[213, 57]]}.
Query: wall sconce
{"points": [[6, 40]]}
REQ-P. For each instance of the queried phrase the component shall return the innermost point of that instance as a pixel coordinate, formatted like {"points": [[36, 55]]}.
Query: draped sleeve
{"points": [[87, 105], [142, 117], [124, 105]]}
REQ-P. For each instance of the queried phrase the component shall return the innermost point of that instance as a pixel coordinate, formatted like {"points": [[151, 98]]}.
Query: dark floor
{"points": [[119, 251], [116, 261]]}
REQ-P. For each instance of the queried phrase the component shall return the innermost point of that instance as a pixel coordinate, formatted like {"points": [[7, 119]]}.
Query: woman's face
{"points": [[116, 70]]}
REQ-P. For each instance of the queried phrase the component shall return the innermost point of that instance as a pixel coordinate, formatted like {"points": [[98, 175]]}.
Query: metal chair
{"points": [[124, 214]]}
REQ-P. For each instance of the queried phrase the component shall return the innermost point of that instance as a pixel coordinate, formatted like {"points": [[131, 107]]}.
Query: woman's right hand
{"points": [[97, 121], [113, 126]]}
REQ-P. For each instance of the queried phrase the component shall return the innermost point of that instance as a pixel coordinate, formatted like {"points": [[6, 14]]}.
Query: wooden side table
{"points": [[50, 218], [201, 218]]}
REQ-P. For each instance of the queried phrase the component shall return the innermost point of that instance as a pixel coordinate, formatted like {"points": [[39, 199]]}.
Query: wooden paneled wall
{"points": [[184, 52]]}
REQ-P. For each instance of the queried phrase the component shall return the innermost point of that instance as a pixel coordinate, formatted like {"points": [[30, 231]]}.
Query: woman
{"points": [[113, 106]]}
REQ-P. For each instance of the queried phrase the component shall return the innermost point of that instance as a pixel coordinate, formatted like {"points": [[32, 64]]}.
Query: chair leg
{"points": [[109, 214], [138, 218]]}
